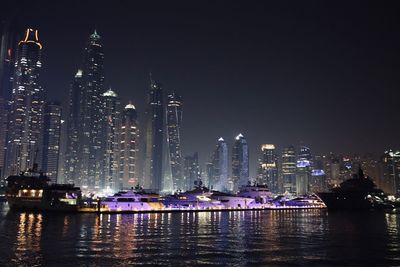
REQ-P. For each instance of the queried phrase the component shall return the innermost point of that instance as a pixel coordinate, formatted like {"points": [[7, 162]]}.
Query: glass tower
{"points": [[154, 138], [240, 163], [174, 121]]}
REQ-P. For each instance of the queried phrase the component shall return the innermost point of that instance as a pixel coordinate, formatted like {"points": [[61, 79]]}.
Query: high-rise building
{"points": [[51, 139], [3, 140], [91, 141], [128, 148], [154, 139], [240, 163], [110, 130], [174, 122], [219, 179], [390, 181], [303, 171], [85, 147], [318, 182], [25, 136], [74, 168], [288, 169], [269, 168], [191, 171], [10, 36]]}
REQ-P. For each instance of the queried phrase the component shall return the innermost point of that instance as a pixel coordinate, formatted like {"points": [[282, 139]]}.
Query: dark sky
{"points": [[285, 72]]}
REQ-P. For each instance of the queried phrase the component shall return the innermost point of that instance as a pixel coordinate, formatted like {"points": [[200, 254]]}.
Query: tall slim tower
{"points": [[153, 171], [51, 139], [240, 163], [75, 119], [91, 139], [269, 167], [128, 148], [110, 140], [26, 113], [220, 166], [289, 169], [174, 121], [8, 47]]}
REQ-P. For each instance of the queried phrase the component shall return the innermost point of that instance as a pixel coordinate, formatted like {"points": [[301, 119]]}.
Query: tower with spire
{"points": [[86, 168], [154, 137]]}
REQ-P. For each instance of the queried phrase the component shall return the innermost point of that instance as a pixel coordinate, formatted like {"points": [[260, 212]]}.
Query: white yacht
{"points": [[132, 201], [197, 199], [259, 193], [230, 201]]}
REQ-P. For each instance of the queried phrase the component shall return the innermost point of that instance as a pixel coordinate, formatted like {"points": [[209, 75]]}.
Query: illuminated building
{"points": [[303, 170], [109, 129], [288, 169], [317, 182], [51, 139], [268, 169], [154, 139], [219, 180], [128, 148], [85, 147], [24, 146], [174, 122], [191, 171], [390, 181], [240, 163], [3, 135], [74, 168]]}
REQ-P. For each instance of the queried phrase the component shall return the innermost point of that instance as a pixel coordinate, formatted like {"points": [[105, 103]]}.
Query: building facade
{"points": [[303, 170], [110, 141], [128, 148], [288, 169], [191, 171], [154, 138], [25, 133], [219, 180], [51, 139], [268, 169], [174, 134], [240, 163], [74, 133], [390, 181]]}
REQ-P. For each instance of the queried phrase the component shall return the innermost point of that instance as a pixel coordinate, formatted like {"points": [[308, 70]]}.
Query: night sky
{"points": [[299, 72]]}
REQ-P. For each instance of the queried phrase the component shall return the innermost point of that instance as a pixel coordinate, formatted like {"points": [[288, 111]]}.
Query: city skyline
{"points": [[266, 81]]}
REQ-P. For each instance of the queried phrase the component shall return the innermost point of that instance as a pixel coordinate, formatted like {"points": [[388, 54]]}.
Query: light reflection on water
{"points": [[238, 238]]}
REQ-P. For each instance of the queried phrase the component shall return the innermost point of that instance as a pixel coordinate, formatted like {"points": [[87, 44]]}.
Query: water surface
{"points": [[238, 238]]}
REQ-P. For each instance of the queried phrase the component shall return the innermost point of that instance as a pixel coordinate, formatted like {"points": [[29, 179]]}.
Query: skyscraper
{"points": [[269, 167], [109, 130], [128, 147], [174, 121], [51, 139], [240, 163], [8, 49], [303, 171], [75, 119], [93, 74], [85, 147], [219, 179], [25, 136], [154, 139], [390, 181], [191, 171], [288, 171]]}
